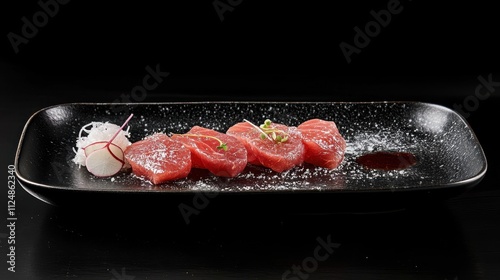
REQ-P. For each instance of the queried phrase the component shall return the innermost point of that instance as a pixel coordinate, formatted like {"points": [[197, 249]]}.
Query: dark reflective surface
{"points": [[421, 243], [439, 52], [235, 238]]}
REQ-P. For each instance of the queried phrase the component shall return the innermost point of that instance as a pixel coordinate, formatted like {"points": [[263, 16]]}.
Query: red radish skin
{"points": [[324, 145], [266, 152], [206, 152], [159, 159], [97, 146]]}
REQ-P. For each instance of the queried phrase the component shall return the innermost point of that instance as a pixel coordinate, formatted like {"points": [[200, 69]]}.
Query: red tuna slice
{"points": [[324, 145], [207, 152], [267, 152], [159, 158]]}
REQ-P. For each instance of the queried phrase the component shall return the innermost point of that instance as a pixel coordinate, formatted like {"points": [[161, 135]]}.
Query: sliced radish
{"points": [[96, 146], [103, 158], [106, 161]]}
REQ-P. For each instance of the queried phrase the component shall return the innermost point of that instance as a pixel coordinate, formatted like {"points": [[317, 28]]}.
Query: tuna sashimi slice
{"points": [[159, 158], [324, 145], [228, 160], [279, 156]]}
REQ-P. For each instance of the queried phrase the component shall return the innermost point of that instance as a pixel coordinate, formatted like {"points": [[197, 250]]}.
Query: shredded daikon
{"points": [[98, 131]]}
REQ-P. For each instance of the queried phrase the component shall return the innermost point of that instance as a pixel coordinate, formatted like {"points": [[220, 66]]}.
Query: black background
{"points": [[263, 50]]}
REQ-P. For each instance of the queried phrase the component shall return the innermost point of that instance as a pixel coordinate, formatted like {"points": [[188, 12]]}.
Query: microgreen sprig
{"points": [[222, 145], [263, 134], [269, 132]]}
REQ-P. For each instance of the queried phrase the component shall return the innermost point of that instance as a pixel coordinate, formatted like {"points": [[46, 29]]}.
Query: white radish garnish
{"points": [[105, 162], [103, 158], [98, 132]]}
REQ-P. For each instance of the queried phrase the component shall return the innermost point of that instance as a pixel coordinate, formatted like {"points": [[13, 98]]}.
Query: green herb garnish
{"points": [[268, 131]]}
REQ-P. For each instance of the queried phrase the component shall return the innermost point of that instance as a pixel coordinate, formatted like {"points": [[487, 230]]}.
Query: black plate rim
{"points": [[469, 182]]}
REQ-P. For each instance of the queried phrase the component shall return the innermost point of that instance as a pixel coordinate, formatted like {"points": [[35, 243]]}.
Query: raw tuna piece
{"points": [[206, 152], [323, 143], [277, 156], [159, 158]]}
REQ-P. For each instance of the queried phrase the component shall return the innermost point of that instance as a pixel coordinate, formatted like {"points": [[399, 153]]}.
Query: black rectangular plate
{"points": [[450, 158]]}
